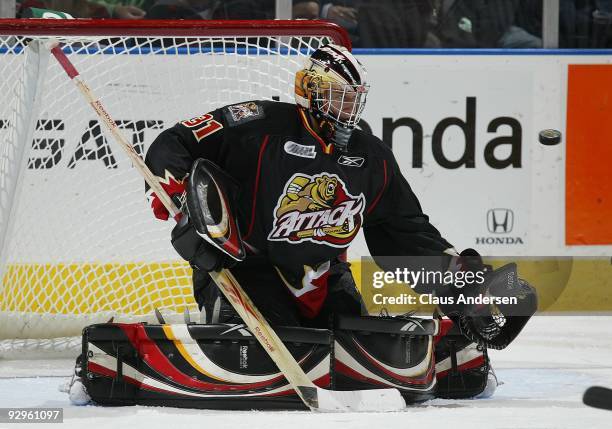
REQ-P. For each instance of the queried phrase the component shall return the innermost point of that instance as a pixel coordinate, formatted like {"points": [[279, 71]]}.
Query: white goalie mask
{"points": [[333, 86]]}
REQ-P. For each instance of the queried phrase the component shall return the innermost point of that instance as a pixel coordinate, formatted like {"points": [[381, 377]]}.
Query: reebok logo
{"points": [[351, 161]]}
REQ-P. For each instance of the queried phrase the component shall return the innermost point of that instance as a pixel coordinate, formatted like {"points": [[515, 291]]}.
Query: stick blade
{"points": [[598, 397], [375, 400]]}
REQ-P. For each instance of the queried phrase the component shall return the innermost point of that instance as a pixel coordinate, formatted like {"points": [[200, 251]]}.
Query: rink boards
{"points": [[463, 126]]}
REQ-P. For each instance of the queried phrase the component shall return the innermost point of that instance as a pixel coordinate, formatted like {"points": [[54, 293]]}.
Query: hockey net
{"points": [[78, 241]]}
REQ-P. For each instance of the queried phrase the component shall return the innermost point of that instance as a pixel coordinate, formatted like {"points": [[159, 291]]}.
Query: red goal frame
{"points": [[183, 28]]}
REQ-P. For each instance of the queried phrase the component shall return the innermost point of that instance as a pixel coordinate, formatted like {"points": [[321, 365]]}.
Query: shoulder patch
{"points": [[304, 151], [237, 114]]}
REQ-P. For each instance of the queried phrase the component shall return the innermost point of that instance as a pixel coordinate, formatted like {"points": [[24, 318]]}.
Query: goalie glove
{"points": [[194, 249], [494, 326], [208, 236]]}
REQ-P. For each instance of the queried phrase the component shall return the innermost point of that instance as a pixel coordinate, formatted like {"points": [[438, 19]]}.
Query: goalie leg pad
{"points": [[383, 352], [462, 366], [221, 366], [197, 366]]}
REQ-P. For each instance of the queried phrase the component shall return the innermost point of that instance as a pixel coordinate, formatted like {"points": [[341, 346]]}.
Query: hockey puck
{"points": [[550, 137], [598, 397]]}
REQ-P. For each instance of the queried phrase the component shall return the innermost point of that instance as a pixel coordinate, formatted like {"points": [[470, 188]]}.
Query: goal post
{"points": [[79, 242]]}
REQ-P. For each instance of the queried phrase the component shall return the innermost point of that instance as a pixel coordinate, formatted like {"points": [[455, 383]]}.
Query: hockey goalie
{"points": [[301, 181]]}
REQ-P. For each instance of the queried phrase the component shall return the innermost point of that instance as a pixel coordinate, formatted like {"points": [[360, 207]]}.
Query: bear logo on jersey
{"points": [[318, 209]]}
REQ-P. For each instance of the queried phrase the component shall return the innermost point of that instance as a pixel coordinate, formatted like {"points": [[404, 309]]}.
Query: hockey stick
{"points": [[313, 396], [598, 397]]}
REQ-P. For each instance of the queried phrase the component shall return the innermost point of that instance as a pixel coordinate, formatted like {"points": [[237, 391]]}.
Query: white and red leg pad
{"points": [[378, 352], [462, 367]]}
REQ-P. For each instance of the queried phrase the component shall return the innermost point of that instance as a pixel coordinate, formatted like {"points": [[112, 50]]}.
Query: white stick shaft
{"points": [[95, 103], [263, 331]]}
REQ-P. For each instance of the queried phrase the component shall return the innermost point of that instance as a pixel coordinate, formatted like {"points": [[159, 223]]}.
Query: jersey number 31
{"points": [[202, 126]]}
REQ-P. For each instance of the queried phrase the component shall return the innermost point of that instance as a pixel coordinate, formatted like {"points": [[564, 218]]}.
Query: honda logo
{"points": [[500, 221]]}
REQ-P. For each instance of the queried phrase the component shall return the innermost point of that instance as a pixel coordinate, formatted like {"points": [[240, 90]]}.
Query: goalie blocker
{"points": [[221, 366]]}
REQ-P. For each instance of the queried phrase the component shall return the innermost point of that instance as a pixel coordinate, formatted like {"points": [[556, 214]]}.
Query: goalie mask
{"points": [[333, 88]]}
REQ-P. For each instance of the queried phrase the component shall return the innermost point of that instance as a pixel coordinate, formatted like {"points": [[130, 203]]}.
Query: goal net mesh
{"points": [[79, 243]]}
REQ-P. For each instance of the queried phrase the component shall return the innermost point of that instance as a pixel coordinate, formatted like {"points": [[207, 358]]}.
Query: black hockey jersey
{"points": [[301, 203]]}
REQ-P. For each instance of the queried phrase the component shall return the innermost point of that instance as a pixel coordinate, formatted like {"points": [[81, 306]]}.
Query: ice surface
{"points": [[544, 373]]}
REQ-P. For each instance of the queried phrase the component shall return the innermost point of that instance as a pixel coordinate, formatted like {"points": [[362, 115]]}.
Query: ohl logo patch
{"points": [[318, 209]]}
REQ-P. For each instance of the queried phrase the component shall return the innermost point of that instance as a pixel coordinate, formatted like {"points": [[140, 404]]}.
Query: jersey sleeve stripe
{"points": [[382, 189], [256, 186]]}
